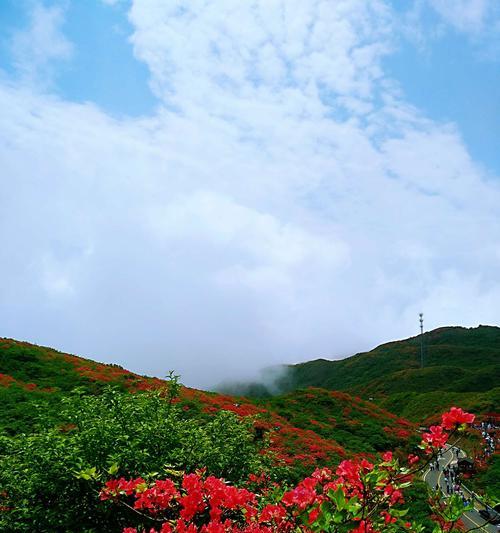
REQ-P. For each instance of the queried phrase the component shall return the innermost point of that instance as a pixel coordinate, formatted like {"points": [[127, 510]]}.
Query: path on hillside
{"points": [[434, 478]]}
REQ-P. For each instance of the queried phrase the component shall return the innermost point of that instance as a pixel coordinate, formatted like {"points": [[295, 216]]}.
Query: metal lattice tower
{"points": [[421, 318]]}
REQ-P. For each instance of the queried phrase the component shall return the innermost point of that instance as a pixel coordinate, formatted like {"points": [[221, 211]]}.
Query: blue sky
{"points": [[102, 68], [219, 186], [454, 77]]}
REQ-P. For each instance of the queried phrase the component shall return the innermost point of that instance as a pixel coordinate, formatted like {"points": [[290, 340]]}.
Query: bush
{"points": [[51, 478]]}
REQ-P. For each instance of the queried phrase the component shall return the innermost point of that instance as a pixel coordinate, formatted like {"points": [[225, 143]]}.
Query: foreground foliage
{"points": [[359, 497], [132, 463], [49, 480], [59, 445]]}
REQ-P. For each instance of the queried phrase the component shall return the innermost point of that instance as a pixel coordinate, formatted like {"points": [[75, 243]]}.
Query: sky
{"points": [[214, 187]]}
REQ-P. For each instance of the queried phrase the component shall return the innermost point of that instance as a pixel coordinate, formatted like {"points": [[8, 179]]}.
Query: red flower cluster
{"points": [[7, 381], [236, 510], [437, 436], [115, 487], [229, 508], [456, 416]]}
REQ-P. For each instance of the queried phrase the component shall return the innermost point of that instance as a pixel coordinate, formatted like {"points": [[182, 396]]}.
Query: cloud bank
{"points": [[284, 203]]}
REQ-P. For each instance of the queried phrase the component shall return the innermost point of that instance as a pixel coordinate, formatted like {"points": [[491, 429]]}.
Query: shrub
{"points": [[50, 479]]}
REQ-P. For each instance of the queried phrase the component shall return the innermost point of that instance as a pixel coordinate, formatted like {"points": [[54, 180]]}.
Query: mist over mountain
{"points": [[460, 364]]}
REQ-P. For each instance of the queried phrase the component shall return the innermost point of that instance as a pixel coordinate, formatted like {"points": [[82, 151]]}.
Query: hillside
{"points": [[465, 360], [315, 427], [461, 365], [31, 374], [69, 423]]}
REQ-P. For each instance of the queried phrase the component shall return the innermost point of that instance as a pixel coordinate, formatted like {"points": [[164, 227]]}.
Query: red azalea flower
{"points": [[272, 512], [387, 457], [456, 416], [395, 495], [365, 526], [366, 465], [436, 437]]}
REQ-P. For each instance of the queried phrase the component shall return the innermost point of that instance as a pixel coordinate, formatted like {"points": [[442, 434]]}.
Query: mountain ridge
{"points": [[459, 362]]}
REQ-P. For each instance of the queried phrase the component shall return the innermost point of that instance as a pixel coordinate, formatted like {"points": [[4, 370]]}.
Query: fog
{"points": [[285, 201]]}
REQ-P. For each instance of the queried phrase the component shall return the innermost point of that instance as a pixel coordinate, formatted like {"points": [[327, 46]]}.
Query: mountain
{"points": [[42, 369], [461, 366], [306, 428], [460, 354], [60, 411]]}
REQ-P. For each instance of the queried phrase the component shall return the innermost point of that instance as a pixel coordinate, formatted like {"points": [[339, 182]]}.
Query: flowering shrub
{"points": [[359, 496], [51, 477]]}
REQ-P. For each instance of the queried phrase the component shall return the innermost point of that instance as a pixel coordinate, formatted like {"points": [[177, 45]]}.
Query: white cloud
{"points": [[425, 22], [36, 48], [284, 203], [465, 15], [259, 237], [259, 50]]}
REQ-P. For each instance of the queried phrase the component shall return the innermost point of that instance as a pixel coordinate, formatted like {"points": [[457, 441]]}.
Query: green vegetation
{"points": [[47, 370], [68, 423], [422, 406], [315, 427], [51, 477], [356, 425], [487, 481], [459, 363], [34, 376], [417, 498], [63, 414]]}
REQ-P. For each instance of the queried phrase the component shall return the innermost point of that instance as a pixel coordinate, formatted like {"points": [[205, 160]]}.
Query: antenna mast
{"points": [[421, 318]]}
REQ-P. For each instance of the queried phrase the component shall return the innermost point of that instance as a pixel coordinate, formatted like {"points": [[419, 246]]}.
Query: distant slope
{"points": [[454, 353], [47, 370], [461, 365], [357, 425], [35, 375]]}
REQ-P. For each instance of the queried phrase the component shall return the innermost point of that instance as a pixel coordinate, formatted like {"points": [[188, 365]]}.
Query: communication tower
{"points": [[421, 318]]}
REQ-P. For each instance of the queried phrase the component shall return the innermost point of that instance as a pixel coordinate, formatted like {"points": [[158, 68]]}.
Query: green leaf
{"points": [[88, 474], [338, 497], [398, 512], [113, 469]]}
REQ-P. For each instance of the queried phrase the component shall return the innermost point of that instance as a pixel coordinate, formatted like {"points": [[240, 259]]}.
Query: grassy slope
{"points": [[461, 365], [306, 428], [34, 375]]}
